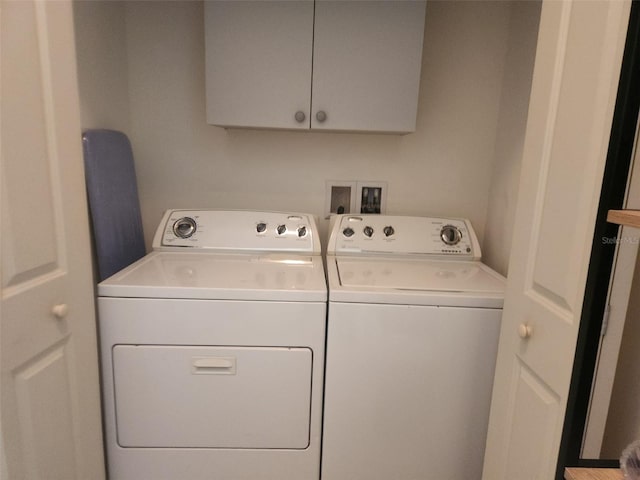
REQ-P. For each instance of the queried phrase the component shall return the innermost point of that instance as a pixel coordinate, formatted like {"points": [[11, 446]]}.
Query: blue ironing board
{"points": [[113, 200]]}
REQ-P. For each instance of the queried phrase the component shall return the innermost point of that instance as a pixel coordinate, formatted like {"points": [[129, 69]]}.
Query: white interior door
{"points": [[580, 46], [49, 372]]}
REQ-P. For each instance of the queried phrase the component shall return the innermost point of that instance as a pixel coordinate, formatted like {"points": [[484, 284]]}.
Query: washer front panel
{"points": [[407, 391]]}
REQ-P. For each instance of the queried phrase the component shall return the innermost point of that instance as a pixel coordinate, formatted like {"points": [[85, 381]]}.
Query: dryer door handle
{"points": [[214, 365]]}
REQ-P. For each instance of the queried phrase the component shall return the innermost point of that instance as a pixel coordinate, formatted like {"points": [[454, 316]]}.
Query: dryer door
{"points": [[212, 397]]}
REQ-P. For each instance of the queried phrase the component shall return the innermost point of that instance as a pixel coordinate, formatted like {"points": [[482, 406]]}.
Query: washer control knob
{"points": [[368, 231], [388, 231], [261, 227], [184, 227], [348, 232], [302, 231], [281, 229], [450, 234]]}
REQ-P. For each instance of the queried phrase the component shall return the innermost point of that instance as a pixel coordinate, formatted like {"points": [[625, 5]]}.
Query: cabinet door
{"points": [[258, 63], [366, 64]]}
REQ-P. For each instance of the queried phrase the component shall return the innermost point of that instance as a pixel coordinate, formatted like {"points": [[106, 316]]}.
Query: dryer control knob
{"points": [[348, 232], [261, 227], [184, 227], [388, 231], [368, 231], [450, 234], [302, 231], [281, 229]]}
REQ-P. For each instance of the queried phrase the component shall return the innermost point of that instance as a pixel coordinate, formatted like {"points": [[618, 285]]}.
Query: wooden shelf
{"points": [[628, 218], [573, 473]]}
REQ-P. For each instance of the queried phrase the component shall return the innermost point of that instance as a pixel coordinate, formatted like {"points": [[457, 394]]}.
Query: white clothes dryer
{"points": [[212, 350], [412, 337]]}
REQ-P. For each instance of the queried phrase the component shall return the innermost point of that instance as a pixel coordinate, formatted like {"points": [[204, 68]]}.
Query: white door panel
{"points": [[49, 378], [580, 46], [43, 399], [529, 446]]}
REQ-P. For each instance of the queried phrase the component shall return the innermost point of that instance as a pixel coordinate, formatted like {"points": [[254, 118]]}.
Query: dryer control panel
{"points": [[237, 231], [403, 235]]}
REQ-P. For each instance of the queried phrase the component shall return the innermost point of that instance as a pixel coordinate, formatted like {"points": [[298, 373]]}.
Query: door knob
{"points": [[60, 311], [524, 330]]}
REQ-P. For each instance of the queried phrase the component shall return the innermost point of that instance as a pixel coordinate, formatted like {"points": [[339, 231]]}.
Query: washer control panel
{"points": [[389, 234], [237, 230]]}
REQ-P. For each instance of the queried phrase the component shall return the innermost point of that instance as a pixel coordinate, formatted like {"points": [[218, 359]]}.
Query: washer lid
{"points": [[432, 282], [270, 277]]}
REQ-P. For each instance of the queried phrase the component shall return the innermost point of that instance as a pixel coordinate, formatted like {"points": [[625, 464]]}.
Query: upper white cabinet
{"points": [[258, 62], [366, 64], [325, 65]]}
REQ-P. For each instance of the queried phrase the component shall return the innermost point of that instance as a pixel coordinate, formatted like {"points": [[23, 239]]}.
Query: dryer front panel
{"points": [[212, 397]]}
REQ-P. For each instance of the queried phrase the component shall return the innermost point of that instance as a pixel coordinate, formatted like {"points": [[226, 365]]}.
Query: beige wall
{"points": [[103, 79], [445, 167], [514, 105]]}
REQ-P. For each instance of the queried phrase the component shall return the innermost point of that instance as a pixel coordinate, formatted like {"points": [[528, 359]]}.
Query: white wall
{"points": [[445, 167], [514, 105], [103, 79]]}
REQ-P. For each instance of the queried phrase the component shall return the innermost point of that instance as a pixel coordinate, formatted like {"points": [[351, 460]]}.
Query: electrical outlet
{"points": [[340, 197], [371, 197]]}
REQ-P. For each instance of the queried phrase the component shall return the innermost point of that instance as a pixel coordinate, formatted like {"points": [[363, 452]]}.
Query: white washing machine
{"points": [[212, 350], [412, 337]]}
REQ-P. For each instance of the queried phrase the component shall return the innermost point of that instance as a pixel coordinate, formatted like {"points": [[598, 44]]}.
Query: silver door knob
{"points": [[60, 311], [321, 116], [524, 330], [300, 116]]}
